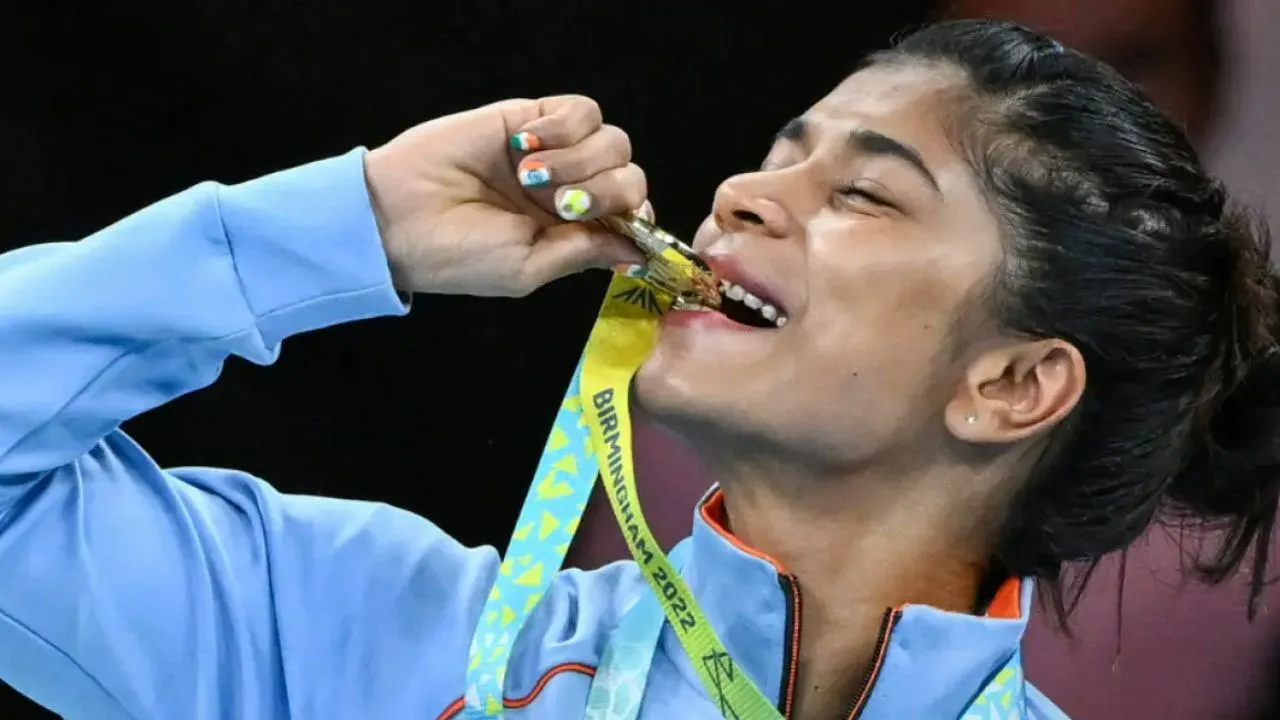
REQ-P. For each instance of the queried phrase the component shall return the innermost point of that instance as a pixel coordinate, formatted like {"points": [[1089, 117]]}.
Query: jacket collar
{"points": [[932, 663]]}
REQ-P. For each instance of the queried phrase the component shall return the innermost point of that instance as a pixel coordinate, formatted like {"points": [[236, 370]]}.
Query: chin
{"points": [[717, 411], [661, 393], [699, 403]]}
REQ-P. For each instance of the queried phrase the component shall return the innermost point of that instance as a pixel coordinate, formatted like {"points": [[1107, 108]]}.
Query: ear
{"points": [[1016, 392]]}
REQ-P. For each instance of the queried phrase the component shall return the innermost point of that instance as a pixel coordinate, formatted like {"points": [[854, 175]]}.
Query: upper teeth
{"points": [[733, 291]]}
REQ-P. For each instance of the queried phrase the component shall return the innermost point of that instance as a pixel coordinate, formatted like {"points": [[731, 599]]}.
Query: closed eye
{"points": [[861, 193]]}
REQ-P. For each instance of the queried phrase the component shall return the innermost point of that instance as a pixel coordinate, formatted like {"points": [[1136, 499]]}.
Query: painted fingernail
{"points": [[534, 173], [525, 142], [574, 204]]}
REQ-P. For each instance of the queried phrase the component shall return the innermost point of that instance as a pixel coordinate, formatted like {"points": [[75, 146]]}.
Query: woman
{"points": [[956, 235]]}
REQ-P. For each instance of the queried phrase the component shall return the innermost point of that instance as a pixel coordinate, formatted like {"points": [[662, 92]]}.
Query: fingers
{"points": [[586, 179], [608, 147], [572, 164], [564, 120]]}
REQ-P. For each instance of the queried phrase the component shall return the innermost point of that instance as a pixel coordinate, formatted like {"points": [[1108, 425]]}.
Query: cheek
{"points": [[879, 324], [706, 234]]}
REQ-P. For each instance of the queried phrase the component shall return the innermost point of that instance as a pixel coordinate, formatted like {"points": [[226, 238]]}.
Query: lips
{"points": [[732, 269], [745, 296]]}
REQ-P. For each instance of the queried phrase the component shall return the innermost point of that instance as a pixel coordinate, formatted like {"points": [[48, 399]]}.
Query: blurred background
{"points": [[109, 107]]}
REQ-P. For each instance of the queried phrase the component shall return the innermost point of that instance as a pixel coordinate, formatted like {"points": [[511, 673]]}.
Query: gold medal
{"points": [[673, 267]]}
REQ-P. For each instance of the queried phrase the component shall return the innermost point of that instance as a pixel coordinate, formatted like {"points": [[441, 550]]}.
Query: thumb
{"points": [[570, 248]]}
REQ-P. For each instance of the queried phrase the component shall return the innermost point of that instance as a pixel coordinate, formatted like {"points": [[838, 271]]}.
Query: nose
{"points": [[743, 205]]}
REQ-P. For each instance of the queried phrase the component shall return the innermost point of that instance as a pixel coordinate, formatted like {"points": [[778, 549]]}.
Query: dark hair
{"points": [[1119, 242]]}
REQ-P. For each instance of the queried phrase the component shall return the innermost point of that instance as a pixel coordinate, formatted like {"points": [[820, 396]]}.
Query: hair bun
{"points": [[1231, 480]]}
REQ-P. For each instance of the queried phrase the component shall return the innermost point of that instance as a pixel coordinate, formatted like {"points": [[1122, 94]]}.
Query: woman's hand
{"points": [[493, 201]]}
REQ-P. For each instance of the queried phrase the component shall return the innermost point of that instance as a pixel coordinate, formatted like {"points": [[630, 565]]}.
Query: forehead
{"points": [[893, 86], [909, 103]]}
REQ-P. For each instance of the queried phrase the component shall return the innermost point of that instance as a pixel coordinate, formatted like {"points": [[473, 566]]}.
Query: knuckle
{"points": [[556, 133], [572, 104], [632, 200], [587, 106], [516, 107], [619, 143]]}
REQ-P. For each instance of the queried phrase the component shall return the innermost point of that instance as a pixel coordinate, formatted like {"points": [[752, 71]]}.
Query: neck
{"points": [[858, 546]]}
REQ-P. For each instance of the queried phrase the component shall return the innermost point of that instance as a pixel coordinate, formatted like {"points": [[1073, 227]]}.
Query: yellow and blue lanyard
{"points": [[592, 435]]}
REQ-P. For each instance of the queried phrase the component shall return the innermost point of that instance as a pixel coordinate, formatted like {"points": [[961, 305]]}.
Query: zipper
{"points": [[791, 651], [891, 617]]}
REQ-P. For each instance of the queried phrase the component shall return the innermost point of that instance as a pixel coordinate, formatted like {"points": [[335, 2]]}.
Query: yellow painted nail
{"points": [[574, 204]]}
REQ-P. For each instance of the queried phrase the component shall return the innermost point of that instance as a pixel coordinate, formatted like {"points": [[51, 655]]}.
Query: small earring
{"points": [[971, 418]]}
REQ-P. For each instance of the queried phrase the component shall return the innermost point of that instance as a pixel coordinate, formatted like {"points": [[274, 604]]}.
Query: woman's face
{"points": [[866, 228]]}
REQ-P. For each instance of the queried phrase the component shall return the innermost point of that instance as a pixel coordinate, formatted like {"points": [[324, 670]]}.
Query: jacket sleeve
{"points": [[131, 591]]}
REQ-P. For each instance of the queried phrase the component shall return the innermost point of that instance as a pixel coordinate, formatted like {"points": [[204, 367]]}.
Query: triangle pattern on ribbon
{"points": [[546, 525]]}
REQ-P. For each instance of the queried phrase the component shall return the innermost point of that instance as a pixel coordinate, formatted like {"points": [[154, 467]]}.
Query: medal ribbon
{"points": [[593, 432]]}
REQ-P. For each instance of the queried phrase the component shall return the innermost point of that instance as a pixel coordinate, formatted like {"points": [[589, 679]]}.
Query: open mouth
{"points": [[742, 307]]}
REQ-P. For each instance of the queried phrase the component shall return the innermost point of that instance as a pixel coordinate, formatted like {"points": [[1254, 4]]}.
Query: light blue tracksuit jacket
{"points": [[131, 591]]}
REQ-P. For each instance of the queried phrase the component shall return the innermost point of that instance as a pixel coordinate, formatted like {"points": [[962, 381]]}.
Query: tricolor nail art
{"points": [[574, 204], [525, 142], [533, 173]]}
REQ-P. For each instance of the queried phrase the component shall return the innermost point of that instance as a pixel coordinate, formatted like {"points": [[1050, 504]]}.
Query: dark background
{"points": [[107, 107]]}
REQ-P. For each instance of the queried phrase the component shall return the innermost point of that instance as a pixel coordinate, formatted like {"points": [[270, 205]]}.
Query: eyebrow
{"points": [[867, 142]]}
